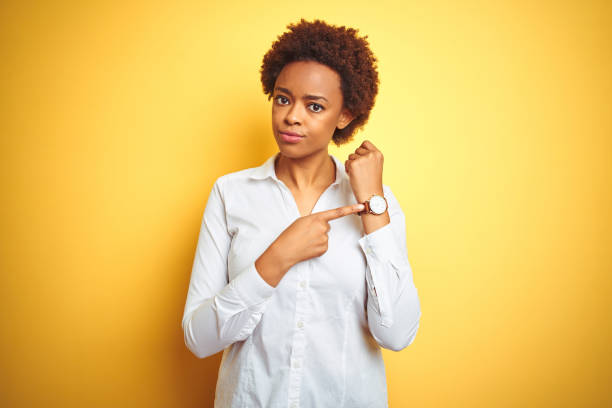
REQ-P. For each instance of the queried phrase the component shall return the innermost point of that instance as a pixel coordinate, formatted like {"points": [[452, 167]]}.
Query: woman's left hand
{"points": [[364, 168]]}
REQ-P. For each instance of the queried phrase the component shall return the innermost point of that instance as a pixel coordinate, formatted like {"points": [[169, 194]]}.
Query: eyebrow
{"points": [[314, 97]]}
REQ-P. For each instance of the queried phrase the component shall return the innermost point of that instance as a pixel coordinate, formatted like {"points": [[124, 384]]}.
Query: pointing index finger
{"points": [[340, 211]]}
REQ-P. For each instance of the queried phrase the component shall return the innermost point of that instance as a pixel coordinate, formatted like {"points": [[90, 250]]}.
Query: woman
{"points": [[301, 272]]}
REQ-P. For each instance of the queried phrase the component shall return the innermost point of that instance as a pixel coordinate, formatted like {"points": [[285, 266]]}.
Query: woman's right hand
{"points": [[305, 238]]}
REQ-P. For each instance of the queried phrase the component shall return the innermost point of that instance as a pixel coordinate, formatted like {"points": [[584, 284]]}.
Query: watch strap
{"points": [[367, 210]]}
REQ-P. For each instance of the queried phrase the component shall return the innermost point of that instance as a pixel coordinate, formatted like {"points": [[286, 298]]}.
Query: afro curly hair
{"points": [[340, 49]]}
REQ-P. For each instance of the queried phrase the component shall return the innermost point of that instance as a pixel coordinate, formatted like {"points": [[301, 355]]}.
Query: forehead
{"points": [[309, 77]]}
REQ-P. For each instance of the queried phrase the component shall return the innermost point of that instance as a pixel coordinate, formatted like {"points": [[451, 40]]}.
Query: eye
{"points": [[317, 105], [280, 96], [317, 108]]}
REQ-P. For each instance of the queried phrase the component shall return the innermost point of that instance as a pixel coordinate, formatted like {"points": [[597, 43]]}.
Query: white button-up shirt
{"points": [[313, 340]]}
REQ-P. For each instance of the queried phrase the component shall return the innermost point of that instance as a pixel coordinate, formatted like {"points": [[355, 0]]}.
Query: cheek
{"points": [[277, 116], [329, 123]]}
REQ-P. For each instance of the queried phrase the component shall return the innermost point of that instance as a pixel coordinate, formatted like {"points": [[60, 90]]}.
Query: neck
{"points": [[307, 172]]}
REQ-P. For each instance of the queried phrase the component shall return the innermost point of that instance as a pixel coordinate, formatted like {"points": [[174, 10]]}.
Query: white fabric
{"points": [[314, 339]]}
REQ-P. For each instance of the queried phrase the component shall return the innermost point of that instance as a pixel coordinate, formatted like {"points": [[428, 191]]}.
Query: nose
{"points": [[294, 114]]}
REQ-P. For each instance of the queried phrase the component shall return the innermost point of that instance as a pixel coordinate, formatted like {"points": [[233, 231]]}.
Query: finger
{"points": [[368, 145], [353, 156], [362, 151], [334, 213]]}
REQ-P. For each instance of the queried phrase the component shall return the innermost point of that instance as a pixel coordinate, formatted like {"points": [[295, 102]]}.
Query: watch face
{"points": [[378, 205]]}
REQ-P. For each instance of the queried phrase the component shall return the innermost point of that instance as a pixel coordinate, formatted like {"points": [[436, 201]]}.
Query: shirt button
{"points": [[303, 284], [369, 251], [300, 324], [294, 405], [296, 364]]}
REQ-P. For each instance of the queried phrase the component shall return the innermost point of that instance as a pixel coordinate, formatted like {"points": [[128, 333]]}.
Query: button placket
{"points": [[296, 363], [298, 344]]}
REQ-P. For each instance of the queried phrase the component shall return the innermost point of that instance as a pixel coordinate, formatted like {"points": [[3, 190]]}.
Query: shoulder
{"points": [[233, 177], [234, 181]]}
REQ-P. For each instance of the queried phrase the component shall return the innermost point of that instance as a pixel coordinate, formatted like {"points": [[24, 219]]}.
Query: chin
{"points": [[293, 152]]}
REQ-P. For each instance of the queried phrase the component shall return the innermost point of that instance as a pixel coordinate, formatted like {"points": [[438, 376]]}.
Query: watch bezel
{"points": [[381, 199]]}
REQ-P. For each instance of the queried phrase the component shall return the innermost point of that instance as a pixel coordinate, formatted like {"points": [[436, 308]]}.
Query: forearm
{"points": [[205, 336], [229, 316], [393, 305], [372, 222], [406, 317], [271, 266]]}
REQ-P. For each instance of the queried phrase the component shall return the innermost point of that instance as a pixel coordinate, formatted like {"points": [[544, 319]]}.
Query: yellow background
{"points": [[495, 119]]}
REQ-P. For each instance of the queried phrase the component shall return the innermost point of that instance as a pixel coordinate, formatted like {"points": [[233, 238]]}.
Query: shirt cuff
{"points": [[251, 287]]}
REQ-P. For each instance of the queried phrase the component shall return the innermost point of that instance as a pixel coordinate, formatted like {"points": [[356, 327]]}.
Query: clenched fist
{"points": [[365, 168]]}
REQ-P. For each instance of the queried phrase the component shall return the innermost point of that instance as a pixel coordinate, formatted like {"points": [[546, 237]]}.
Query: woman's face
{"points": [[307, 100]]}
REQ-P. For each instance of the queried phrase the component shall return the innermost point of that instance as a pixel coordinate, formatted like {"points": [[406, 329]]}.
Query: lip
{"points": [[292, 134], [290, 137]]}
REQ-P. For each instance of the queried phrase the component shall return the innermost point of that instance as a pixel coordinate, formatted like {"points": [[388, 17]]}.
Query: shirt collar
{"points": [[267, 170]]}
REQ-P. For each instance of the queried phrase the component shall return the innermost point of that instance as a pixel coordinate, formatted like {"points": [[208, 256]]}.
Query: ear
{"points": [[345, 118]]}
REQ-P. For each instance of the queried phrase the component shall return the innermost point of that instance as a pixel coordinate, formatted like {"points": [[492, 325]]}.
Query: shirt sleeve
{"points": [[393, 305], [219, 312]]}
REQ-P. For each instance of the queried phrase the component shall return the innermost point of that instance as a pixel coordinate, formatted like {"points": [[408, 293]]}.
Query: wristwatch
{"points": [[376, 205]]}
